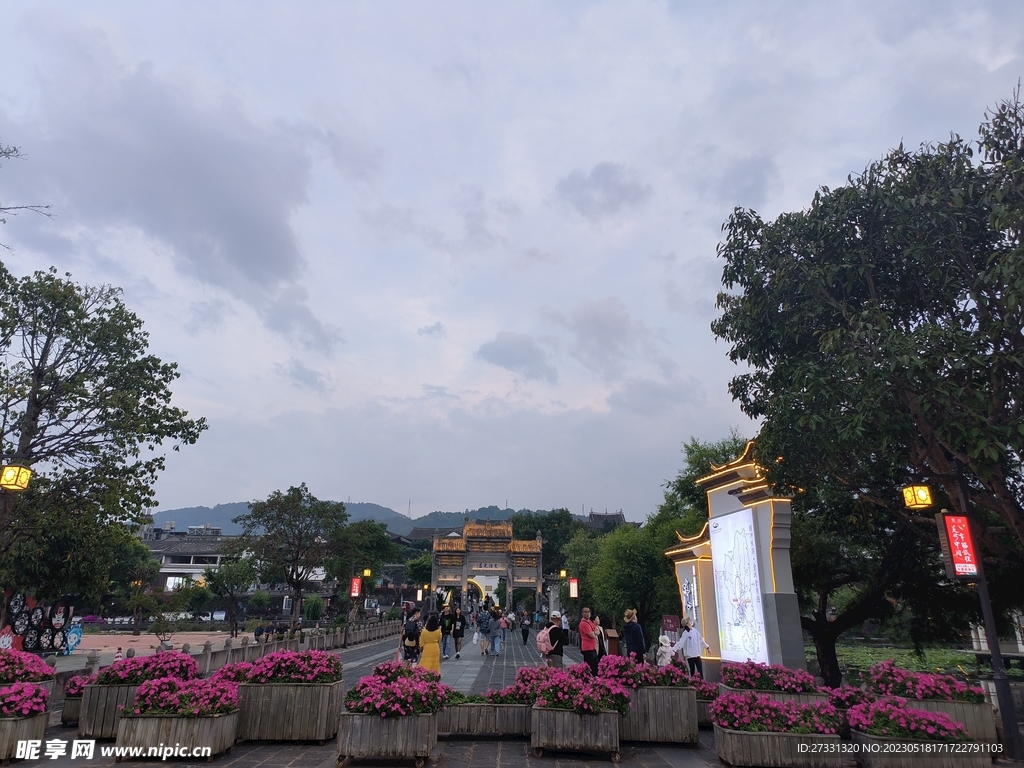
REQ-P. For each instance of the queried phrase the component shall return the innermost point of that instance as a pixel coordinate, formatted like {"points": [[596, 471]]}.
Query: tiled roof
{"points": [[449, 545], [189, 545], [429, 533], [527, 545], [488, 530]]}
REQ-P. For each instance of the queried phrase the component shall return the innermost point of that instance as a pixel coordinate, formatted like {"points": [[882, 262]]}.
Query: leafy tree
{"points": [[258, 602], [229, 581], [289, 536], [581, 554], [313, 608], [418, 570], [556, 527], [85, 405], [684, 499], [132, 577], [622, 577], [366, 544]]}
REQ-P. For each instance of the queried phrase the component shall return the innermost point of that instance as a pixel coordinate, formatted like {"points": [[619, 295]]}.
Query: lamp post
{"points": [[355, 589], [14, 479], [919, 497]]}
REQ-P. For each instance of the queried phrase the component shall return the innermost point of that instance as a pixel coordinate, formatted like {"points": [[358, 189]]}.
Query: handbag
{"points": [[476, 638]]}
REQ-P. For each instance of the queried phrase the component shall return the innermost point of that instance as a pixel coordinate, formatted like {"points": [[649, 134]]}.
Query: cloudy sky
{"points": [[456, 254]]}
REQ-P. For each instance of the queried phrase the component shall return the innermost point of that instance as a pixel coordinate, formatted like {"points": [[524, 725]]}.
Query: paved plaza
{"points": [[473, 673]]}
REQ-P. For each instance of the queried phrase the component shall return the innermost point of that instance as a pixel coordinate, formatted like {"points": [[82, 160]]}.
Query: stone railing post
{"points": [[227, 647], [207, 655], [92, 663], [130, 653]]}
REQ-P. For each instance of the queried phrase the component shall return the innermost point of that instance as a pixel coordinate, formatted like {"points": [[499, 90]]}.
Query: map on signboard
{"points": [[738, 588]]}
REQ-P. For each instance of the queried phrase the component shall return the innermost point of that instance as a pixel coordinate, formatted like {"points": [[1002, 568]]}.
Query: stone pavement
{"points": [[471, 673]]}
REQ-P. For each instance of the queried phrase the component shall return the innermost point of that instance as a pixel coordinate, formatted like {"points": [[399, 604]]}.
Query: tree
{"points": [[258, 602], [313, 608], [556, 528], [419, 570], [229, 581], [82, 403], [623, 575], [366, 544], [132, 578], [289, 536]]}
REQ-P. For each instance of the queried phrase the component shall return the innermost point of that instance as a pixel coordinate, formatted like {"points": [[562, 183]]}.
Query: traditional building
{"points": [[484, 553]]}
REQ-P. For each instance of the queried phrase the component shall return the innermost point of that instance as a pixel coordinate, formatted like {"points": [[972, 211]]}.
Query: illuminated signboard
{"points": [[957, 546], [574, 588], [357, 586], [734, 558]]}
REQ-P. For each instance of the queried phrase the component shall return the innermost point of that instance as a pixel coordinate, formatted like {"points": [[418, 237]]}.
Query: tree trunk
{"points": [[828, 661], [296, 605]]}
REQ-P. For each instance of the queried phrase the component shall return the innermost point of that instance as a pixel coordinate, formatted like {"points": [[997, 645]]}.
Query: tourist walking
{"points": [[495, 631], [692, 644], [588, 640], [430, 639], [483, 626], [602, 642], [411, 637], [447, 620], [557, 638], [525, 627], [565, 624], [633, 637], [458, 631]]}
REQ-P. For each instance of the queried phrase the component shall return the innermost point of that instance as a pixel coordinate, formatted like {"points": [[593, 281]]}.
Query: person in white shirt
{"points": [[692, 644], [565, 623]]}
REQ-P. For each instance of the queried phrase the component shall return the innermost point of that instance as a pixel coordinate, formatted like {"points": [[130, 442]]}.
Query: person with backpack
{"points": [[633, 637], [496, 629], [551, 641], [411, 637], [483, 625]]}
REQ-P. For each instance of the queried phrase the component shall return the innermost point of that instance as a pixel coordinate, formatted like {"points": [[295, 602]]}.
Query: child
{"points": [[664, 651]]}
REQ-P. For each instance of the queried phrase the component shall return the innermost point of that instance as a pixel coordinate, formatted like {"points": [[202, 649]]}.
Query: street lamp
{"points": [[563, 573], [367, 573], [15, 477], [914, 497]]}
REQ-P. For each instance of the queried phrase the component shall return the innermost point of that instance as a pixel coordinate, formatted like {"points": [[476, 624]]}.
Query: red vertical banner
{"points": [[961, 546], [574, 588], [357, 586]]}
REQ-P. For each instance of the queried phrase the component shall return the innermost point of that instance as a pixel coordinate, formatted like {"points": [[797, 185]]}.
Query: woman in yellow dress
{"points": [[430, 638]]}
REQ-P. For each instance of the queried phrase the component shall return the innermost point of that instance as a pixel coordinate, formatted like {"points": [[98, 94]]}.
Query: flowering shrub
{"points": [[761, 677], [585, 694], [705, 691], [23, 700], [404, 695], [234, 673], [892, 717], [75, 686], [186, 698], [759, 712], [886, 679], [632, 675], [390, 671], [20, 667], [296, 667], [848, 696], [139, 669]]}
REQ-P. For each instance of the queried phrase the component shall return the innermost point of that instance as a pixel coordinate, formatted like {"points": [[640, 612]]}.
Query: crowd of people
{"points": [[437, 637]]}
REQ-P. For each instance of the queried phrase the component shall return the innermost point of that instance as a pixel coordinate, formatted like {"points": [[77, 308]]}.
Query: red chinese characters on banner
{"points": [[574, 588], [357, 586], [961, 545]]}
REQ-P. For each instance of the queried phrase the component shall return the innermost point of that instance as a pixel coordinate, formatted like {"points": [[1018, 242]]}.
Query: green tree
{"points": [[84, 404], [131, 578], [289, 536], [556, 527], [418, 570], [258, 602], [684, 499], [364, 544], [623, 576], [229, 581], [313, 608]]}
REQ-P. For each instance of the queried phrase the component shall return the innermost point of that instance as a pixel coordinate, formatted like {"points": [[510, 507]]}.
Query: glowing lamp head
{"points": [[917, 497], [15, 478], [367, 573], [563, 573], [426, 586]]}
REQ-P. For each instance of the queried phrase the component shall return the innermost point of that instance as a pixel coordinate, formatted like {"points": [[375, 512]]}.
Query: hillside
{"points": [[221, 515]]}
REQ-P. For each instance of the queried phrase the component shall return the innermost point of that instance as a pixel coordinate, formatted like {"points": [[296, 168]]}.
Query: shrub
{"points": [[296, 667], [627, 672], [23, 700], [848, 696], [750, 675], [139, 669], [186, 698], [705, 691], [886, 679], [75, 686], [234, 673], [404, 695], [390, 671], [760, 712], [892, 717], [20, 667]]}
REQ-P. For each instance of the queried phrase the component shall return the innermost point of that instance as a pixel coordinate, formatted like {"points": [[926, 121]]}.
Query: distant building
{"points": [[429, 534], [607, 521], [185, 556]]}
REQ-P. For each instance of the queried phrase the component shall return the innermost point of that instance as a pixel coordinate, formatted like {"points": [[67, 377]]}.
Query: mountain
{"points": [[220, 516]]}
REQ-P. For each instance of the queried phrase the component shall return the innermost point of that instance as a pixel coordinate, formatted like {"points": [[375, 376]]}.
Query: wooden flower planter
{"points": [[289, 711], [49, 685], [72, 709], [776, 750], [15, 729], [799, 698], [661, 713], [485, 720], [978, 719], [147, 731], [563, 730], [101, 710], [871, 755], [398, 737], [703, 713]]}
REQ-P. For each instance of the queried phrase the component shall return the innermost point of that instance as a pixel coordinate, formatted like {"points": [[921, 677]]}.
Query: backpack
{"points": [[544, 641]]}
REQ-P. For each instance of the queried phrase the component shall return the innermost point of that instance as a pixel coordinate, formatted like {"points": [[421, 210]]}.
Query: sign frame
{"points": [[356, 587], [959, 552]]}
